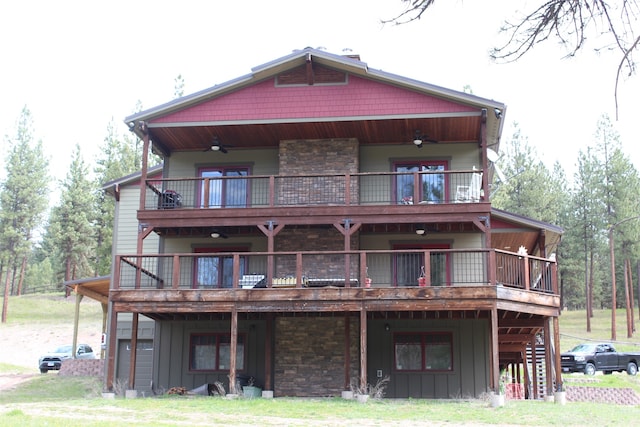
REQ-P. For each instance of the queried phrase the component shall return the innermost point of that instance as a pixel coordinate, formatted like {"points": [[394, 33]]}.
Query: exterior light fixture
{"points": [[420, 230], [417, 139], [215, 234], [387, 327]]}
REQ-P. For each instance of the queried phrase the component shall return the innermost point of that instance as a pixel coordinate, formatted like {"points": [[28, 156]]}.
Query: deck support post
{"points": [[548, 363], [494, 381], [556, 360], [134, 347], [233, 351], [363, 349], [268, 351], [347, 350], [534, 367], [111, 349]]}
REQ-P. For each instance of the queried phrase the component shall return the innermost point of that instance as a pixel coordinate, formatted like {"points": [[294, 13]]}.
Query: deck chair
{"points": [[472, 192]]}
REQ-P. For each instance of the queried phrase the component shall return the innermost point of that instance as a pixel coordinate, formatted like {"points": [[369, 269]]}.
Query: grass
{"points": [[55, 400], [60, 401], [50, 309]]}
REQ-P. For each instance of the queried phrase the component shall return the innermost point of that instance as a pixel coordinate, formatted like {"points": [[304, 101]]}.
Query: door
{"points": [[144, 365]]}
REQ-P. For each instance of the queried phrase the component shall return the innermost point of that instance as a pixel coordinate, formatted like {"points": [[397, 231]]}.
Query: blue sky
{"points": [[78, 64]]}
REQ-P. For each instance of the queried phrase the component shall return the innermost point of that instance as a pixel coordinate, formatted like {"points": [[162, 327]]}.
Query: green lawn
{"points": [[61, 401]]}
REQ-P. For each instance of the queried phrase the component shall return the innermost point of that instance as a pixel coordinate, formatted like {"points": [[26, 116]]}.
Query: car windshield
{"points": [[63, 349], [584, 348]]}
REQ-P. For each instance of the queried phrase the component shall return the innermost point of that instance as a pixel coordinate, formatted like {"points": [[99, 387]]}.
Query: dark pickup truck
{"points": [[589, 358]]}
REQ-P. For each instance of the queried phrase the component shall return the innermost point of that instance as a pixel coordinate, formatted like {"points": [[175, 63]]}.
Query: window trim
{"points": [[242, 339], [423, 344]]}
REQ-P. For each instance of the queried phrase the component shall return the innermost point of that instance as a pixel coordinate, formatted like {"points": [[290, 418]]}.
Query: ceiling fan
{"points": [[419, 138], [216, 145]]}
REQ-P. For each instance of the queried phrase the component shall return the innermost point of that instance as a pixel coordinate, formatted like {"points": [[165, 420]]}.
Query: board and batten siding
{"points": [[125, 236], [172, 353], [469, 376]]}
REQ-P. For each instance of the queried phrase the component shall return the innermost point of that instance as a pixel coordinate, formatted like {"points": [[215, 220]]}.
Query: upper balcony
{"points": [[314, 195]]}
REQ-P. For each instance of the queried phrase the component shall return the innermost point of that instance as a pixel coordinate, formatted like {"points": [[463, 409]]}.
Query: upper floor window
{"points": [[432, 185], [224, 187], [425, 351], [212, 352]]}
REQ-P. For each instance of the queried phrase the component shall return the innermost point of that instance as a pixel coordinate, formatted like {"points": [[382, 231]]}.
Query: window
{"points": [[408, 266], [216, 271], [212, 352], [223, 188], [433, 184], [427, 351]]}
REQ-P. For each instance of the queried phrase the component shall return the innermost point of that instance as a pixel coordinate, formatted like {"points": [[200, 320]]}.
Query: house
{"points": [[320, 225]]}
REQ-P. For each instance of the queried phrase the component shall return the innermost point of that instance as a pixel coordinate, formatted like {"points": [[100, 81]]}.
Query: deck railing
{"points": [[251, 270], [379, 188]]}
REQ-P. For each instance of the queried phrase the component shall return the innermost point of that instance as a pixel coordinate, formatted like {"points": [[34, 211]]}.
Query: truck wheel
{"points": [[589, 369], [43, 371], [632, 368]]}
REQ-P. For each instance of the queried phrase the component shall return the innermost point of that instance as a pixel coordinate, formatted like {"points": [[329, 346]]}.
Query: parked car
{"points": [[589, 358], [52, 361]]}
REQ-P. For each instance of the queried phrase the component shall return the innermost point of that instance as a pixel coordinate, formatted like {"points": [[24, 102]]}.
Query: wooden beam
{"points": [[363, 349], [111, 350], [494, 369], [233, 352], [134, 353], [557, 362], [347, 351], [268, 352]]}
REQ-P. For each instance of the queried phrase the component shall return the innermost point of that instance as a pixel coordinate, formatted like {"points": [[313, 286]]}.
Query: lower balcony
{"points": [[335, 281]]}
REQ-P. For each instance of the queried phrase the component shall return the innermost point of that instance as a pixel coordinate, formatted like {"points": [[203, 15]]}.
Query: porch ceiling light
{"points": [[420, 230], [215, 235], [417, 139]]}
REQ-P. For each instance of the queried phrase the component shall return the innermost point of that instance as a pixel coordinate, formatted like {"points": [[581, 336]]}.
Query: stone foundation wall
{"points": [[82, 367], [618, 396], [310, 357]]}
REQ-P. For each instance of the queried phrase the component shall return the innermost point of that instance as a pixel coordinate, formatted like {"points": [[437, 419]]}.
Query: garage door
{"points": [[144, 364]]}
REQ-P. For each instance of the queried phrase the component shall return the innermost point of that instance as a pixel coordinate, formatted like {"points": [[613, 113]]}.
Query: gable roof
{"points": [[371, 105]]}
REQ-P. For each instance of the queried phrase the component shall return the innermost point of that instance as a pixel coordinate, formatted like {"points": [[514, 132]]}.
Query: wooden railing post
{"points": [[272, 191], [427, 268], [206, 195], [236, 270], [347, 189], [175, 279], [116, 273], [298, 269], [492, 267], [363, 269], [416, 188], [525, 272]]}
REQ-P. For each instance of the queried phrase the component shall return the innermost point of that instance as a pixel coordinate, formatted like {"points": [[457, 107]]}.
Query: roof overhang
{"points": [[96, 288]]}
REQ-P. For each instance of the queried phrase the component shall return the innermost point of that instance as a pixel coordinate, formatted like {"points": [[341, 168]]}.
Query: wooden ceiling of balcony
{"points": [[268, 135]]}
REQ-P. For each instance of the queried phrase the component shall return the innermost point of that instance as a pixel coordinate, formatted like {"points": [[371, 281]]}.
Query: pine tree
{"points": [[23, 201], [71, 224]]}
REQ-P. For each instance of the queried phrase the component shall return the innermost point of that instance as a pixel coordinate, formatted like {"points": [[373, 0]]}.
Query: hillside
{"points": [[38, 323]]}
